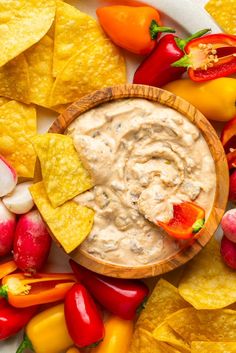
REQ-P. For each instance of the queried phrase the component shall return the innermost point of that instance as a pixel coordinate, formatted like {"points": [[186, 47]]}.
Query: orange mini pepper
{"points": [[6, 268], [188, 220], [132, 28], [23, 291]]}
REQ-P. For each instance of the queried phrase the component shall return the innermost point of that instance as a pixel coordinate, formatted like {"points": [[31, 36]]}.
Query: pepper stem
{"points": [[197, 226], [182, 42], [3, 291], [154, 29], [26, 343], [182, 62]]}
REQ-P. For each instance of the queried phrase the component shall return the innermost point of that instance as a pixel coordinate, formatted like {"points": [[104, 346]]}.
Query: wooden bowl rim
{"points": [[222, 176]]}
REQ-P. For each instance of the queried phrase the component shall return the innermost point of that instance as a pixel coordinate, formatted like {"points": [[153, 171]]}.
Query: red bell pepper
{"points": [[188, 220], [228, 135], [12, 320], [23, 291], [83, 319], [156, 69], [210, 57], [121, 297], [231, 159]]}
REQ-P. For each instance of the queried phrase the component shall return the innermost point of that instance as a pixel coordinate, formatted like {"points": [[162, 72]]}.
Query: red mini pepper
{"points": [[119, 296], [12, 320], [83, 319], [228, 139], [156, 69], [188, 220], [210, 57]]}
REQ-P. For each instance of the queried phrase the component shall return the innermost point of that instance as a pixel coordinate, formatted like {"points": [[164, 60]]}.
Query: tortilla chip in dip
{"points": [[207, 283], [216, 347], [22, 24], [63, 174], [17, 127], [14, 80], [39, 58], [97, 65], [69, 223], [73, 29], [204, 325]]}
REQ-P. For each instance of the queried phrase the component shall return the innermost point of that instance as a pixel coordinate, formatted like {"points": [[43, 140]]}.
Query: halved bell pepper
{"points": [[209, 57], [188, 220], [23, 291], [231, 159], [6, 268]]}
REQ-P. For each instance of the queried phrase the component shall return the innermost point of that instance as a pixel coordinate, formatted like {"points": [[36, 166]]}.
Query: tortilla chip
{"points": [[95, 66], [25, 22], [204, 325], [14, 80], [70, 223], [207, 283], [63, 174], [165, 333], [163, 301], [216, 347], [39, 58], [73, 29], [17, 127], [148, 344], [224, 13], [3, 100]]}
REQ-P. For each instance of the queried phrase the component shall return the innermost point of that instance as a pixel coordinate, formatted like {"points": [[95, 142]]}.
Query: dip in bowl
{"points": [[146, 150]]}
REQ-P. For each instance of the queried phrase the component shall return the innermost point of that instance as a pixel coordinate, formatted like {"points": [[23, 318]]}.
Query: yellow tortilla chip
{"points": [[63, 174], [163, 301], [39, 58], [3, 100], [213, 347], [73, 29], [14, 80], [98, 65], [148, 344], [165, 333], [204, 325], [207, 283], [224, 13], [70, 223], [22, 24], [17, 127]]}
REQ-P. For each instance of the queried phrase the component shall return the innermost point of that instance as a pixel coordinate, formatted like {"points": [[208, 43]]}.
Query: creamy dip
{"points": [[143, 158]]}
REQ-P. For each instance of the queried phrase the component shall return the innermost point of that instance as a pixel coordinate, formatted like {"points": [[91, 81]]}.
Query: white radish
{"points": [[8, 177], [7, 230], [19, 201]]}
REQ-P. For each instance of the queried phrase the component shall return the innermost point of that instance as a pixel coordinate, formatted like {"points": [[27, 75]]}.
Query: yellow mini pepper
{"points": [[215, 99], [118, 334], [47, 332]]}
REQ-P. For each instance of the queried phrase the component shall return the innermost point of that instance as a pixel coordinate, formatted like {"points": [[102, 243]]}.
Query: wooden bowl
{"points": [[222, 184]]}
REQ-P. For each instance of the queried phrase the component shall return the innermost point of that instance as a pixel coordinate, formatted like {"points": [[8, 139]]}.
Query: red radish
{"points": [[32, 242], [232, 186], [228, 225], [228, 252], [7, 229], [19, 200], [8, 177]]}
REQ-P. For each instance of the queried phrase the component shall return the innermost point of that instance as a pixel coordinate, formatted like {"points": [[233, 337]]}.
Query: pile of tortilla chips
{"points": [[196, 316], [64, 177], [52, 53], [224, 12]]}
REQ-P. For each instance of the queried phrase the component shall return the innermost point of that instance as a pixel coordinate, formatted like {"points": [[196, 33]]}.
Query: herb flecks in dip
{"points": [[143, 157]]}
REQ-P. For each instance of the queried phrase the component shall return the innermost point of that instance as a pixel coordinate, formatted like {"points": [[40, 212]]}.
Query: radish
{"points": [[232, 186], [19, 200], [228, 225], [8, 177], [32, 242], [7, 229], [228, 252]]}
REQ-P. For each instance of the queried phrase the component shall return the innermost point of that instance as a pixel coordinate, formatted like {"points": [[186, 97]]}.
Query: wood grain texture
{"points": [[221, 195]]}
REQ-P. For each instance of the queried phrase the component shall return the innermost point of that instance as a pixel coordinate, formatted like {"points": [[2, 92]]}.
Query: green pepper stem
{"points": [[154, 29], [3, 291], [197, 226], [26, 343], [182, 42], [182, 62]]}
